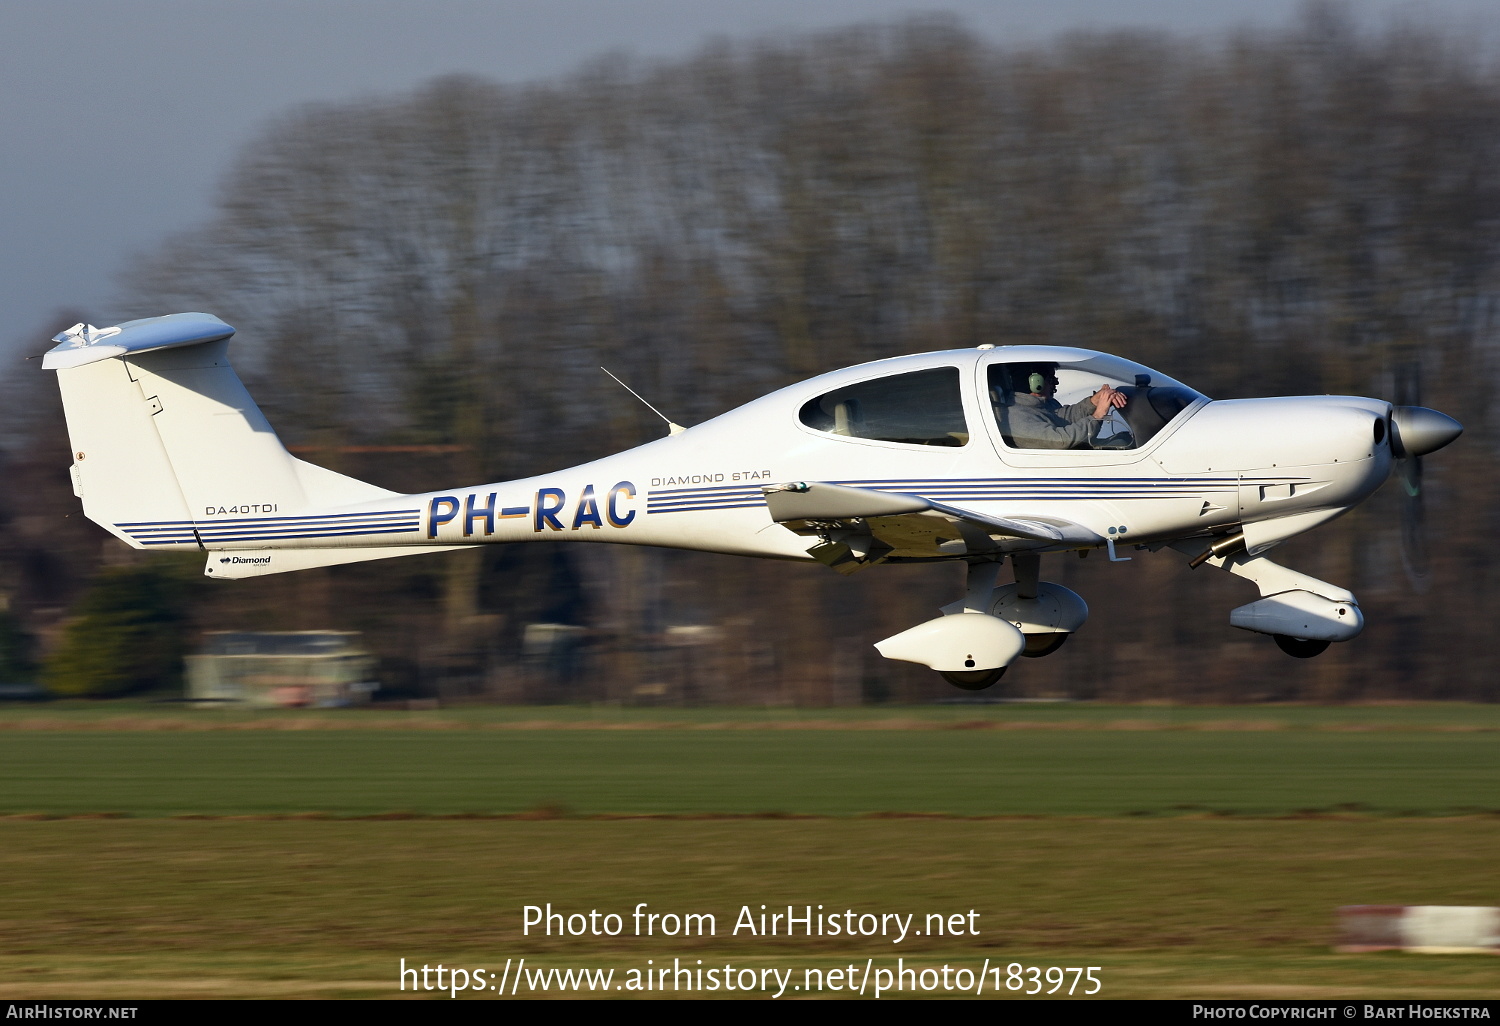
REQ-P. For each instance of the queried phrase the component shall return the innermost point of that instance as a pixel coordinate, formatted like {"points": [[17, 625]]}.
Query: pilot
{"points": [[1038, 421]]}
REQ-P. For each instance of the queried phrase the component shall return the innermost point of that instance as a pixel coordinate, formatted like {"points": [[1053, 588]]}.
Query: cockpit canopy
{"points": [[1037, 396], [1046, 403]]}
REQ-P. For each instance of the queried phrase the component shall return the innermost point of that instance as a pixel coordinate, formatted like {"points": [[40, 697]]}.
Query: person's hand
{"points": [[1104, 399]]}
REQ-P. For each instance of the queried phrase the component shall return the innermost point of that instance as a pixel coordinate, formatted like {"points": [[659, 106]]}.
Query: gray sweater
{"points": [[1037, 423]]}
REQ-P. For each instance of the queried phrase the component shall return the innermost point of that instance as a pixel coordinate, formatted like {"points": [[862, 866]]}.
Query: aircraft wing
{"points": [[861, 527]]}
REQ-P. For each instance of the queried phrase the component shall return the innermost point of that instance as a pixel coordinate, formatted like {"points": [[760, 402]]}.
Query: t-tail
{"points": [[171, 453]]}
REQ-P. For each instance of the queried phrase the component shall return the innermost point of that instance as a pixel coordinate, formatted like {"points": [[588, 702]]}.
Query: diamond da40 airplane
{"points": [[974, 455]]}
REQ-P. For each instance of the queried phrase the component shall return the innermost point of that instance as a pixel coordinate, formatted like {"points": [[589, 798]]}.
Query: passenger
{"points": [[1038, 421]]}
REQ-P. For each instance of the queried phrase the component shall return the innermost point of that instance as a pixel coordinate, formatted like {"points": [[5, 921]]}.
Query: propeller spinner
{"points": [[1415, 432]]}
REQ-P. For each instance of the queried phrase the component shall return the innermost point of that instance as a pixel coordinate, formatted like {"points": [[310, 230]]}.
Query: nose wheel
{"points": [[972, 680], [1299, 648]]}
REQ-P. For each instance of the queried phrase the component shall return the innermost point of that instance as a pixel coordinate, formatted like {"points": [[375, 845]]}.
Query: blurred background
{"points": [[425, 282]]}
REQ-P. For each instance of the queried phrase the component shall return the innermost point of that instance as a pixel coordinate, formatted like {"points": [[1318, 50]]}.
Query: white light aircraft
{"points": [[974, 455]]}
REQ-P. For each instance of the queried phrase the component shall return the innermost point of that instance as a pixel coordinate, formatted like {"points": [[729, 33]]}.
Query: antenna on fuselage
{"points": [[672, 428]]}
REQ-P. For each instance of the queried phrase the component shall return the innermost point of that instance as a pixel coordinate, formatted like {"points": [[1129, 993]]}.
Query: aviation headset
{"points": [[1033, 378]]}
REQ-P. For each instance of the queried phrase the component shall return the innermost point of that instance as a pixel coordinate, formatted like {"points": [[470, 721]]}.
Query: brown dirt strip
{"points": [[551, 813], [354, 722]]}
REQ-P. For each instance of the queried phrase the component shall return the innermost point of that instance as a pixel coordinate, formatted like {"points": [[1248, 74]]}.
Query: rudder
{"points": [[120, 467]]}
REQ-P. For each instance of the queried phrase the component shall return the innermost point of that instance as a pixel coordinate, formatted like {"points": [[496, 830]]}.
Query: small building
{"points": [[290, 669]]}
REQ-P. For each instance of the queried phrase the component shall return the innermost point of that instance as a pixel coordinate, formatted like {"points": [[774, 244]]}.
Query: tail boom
{"points": [[170, 453]]}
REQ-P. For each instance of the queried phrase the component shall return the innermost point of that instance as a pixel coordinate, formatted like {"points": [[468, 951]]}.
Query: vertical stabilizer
{"points": [[223, 452], [164, 435]]}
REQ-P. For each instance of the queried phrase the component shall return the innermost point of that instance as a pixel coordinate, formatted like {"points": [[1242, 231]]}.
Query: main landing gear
{"points": [[980, 635], [1046, 614], [1299, 648], [973, 680]]}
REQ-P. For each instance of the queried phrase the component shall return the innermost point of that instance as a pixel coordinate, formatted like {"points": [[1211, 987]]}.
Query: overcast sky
{"points": [[117, 117]]}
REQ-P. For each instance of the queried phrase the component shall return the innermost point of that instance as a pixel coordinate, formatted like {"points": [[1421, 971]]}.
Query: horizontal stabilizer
{"points": [[233, 565], [83, 344]]}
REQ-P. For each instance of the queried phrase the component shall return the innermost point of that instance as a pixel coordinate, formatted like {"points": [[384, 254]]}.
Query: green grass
{"points": [[137, 714], [1169, 908], [819, 772], [1191, 853]]}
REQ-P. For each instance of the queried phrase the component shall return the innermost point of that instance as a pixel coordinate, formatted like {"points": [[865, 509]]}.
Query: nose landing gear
{"points": [[1300, 613]]}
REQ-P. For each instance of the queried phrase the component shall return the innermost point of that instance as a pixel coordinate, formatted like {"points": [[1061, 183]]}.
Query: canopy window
{"points": [[919, 408]]}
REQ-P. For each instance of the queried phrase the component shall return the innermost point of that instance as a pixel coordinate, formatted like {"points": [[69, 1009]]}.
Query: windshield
{"points": [[1102, 402]]}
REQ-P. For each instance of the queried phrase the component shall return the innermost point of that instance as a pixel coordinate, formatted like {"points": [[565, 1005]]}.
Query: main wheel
{"points": [[1038, 645], [972, 680], [1299, 648]]}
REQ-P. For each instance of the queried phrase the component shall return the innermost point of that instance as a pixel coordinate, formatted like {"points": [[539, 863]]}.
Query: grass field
{"points": [[1168, 908], [144, 715], [818, 772], [1190, 853]]}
